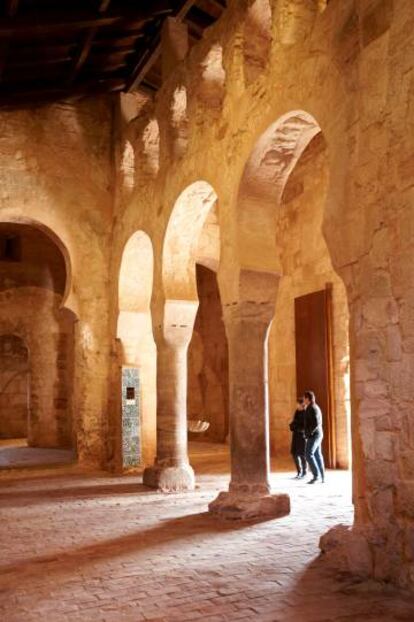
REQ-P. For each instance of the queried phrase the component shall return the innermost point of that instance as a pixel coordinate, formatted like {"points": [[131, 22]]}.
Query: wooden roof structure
{"points": [[56, 49]]}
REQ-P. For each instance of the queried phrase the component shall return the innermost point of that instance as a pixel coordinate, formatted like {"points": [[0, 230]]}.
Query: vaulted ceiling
{"points": [[54, 49]]}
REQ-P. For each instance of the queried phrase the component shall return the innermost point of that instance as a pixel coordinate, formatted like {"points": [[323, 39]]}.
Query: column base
{"points": [[347, 549], [236, 506], [169, 478]]}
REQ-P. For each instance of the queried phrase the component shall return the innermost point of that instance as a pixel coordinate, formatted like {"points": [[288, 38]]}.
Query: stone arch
{"points": [[263, 194], [134, 328], [265, 174], [68, 295], [257, 39], [136, 274], [181, 240]]}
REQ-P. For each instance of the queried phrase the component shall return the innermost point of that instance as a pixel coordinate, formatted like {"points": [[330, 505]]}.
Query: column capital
{"points": [[176, 324], [254, 300]]}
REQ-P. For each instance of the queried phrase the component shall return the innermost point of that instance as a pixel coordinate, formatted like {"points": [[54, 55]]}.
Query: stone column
{"points": [[171, 471], [247, 324]]}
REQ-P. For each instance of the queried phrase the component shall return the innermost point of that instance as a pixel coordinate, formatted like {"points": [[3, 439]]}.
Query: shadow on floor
{"points": [[168, 530], [46, 495]]}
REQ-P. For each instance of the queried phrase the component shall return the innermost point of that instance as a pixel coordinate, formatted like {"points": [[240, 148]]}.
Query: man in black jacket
{"points": [[314, 435]]}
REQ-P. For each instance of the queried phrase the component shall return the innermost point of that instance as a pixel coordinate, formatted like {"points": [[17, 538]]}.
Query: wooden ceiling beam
{"points": [[63, 21], [10, 97], [153, 51]]}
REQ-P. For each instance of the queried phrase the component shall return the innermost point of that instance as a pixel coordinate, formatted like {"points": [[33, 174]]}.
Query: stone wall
{"points": [[33, 315], [14, 387], [307, 267], [58, 176]]}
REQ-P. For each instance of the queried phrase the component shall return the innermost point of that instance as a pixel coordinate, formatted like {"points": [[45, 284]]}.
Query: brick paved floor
{"points": [[95, 548]]}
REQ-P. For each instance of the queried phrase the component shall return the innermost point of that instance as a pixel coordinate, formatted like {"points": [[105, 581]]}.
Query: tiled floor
{"points": [[95, 548]]}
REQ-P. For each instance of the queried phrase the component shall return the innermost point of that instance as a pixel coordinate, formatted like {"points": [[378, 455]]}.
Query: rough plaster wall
{"points": [[33, 314], [14, 387], [307, 267], [208, 361]]}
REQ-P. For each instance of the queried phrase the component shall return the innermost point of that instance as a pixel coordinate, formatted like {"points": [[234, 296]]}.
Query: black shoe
{"points": [[312, 481]]}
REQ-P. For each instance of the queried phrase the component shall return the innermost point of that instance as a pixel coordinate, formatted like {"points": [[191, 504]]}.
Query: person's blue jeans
{"points": [[314, 455]]}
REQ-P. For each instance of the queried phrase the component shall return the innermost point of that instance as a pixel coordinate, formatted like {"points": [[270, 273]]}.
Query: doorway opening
{"points": [[36, 349], [309, 341]]}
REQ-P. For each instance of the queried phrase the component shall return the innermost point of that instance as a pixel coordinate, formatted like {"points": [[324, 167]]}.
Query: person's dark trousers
{"points": [[300, 463], [314, 455]]}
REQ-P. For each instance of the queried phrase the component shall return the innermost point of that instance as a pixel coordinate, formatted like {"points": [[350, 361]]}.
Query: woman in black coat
{"points": [[298, 446]]}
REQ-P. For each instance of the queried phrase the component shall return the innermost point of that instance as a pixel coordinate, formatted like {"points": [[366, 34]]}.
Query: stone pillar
{"points": [[171, 471], [174, 44], [247, 324]]}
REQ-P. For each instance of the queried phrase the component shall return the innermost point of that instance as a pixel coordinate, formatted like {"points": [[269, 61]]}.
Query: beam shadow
{"points": [[182, 528]]}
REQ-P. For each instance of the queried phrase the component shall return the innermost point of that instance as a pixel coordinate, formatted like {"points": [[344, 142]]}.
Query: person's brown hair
{"points": [[310, 395]]}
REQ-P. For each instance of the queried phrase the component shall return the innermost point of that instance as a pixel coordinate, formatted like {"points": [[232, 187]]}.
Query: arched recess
{"points": [[265, 174], [191, 256], [34, 273], [182, 239], [134, 328], [68, 297], [264, 226]]}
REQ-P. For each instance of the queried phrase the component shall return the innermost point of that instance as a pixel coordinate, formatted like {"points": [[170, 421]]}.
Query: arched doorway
{"points": [[33, 286], [175, 313], [138, 353], [264, 339], [287, 175]]}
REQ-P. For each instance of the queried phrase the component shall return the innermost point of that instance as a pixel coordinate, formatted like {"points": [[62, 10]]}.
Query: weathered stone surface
{"points": [[234, 506], [347, 549], [169, 478]]}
